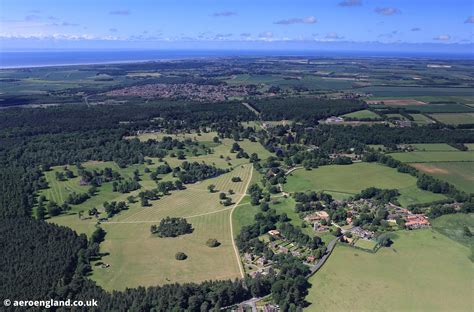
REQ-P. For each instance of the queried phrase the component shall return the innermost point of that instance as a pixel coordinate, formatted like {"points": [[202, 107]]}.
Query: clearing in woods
{"points": [[139, 258]]}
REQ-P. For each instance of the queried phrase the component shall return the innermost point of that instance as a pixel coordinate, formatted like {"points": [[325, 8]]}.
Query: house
{"points": [[310, 259], [270, 308], [274, 232], [283, 250], [334, 119], [261, 261], [349, 220], [361, 232], [416, 221], [247, 257], [317, 216]]}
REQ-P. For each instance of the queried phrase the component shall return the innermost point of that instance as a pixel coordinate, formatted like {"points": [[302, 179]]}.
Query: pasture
{"points": [[137, 258], [459, 174], [363, 114], [435, 156], [434, 147], [454, 118], [422, 271], [421, 119], [344, 181]]}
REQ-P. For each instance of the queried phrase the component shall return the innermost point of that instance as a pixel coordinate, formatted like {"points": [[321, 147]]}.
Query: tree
{"points": [[467, 231], [40, 212], [212, 242], [180, 256], [211, 188], [222, 196], [98, 236]]}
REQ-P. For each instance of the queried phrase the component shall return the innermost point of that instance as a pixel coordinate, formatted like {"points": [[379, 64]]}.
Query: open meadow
{"points": [[422, 271], [460, 174], [433, 156], [344, 181], [137, 258]]}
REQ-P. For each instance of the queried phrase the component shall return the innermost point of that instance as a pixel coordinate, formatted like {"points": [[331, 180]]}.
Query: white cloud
{"points": [[333, 36], [224, 14], [442, 38], [298, 20], [350, 3], [387, 11]]}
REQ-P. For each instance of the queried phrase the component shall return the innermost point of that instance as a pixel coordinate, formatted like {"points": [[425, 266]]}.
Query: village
{"points": [[350, 230]]}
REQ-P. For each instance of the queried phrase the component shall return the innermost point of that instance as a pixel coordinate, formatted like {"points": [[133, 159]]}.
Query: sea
{"points": [[22, 59]]}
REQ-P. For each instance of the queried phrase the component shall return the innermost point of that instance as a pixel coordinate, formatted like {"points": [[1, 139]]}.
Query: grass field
{"points": [[434, 147], [363, 114], [453, 227], [454, 119], [460, 174], [437, 156], [421, 119], [344, 181], [422, 271], [137, 258]]}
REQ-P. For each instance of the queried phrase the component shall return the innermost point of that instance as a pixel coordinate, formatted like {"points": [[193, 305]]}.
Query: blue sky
{"points": [[30, 24]]}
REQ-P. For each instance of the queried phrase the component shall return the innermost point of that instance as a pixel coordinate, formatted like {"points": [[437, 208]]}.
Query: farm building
{"points": [[416, 221], [317, 216]]}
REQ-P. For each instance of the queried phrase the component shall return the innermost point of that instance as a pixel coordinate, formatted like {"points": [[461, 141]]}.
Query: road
{"points": [[323, 259], [237, 254]]}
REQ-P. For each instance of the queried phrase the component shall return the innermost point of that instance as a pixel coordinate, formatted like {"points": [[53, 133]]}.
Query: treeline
{"points": [[305, 109]]}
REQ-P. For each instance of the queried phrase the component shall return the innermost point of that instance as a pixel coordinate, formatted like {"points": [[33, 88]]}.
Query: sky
{"points": [[237, 24]]}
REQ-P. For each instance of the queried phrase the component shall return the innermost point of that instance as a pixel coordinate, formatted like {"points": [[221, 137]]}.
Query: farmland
{"points": [[454, 119], [363, 114], [457, 173], [400, 278], [434, 156], [345, 181]]}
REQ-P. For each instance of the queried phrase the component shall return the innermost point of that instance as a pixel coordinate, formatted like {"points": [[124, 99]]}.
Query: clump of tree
{"points": [[172, 227], [114, 207], [180, 256], [76, 199], [236, 179], [125, 186], [212, 242]]}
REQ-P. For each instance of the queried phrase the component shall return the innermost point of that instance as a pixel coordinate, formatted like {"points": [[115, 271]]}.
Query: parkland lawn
{"points": [[137, 258], [343, 181], [422, 271]]}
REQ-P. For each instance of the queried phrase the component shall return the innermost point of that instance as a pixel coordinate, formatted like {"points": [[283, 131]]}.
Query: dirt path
{"points": [[237, 255]]}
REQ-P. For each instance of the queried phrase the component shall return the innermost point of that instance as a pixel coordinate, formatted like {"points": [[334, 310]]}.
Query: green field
{"points": [[137, 258], [434, 147], [454, 119], [453, 227], [363, 114], [441, 156], [422, 271], [344, 181], [421, 119], [460, 174]]}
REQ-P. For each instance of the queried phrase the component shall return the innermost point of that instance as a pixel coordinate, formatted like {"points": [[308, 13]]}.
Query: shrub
{"points": [[212, 242], [180, 256]]}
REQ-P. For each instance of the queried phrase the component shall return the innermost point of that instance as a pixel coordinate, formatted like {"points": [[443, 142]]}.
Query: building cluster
{"points": [[412, 221], [187, 91]]}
